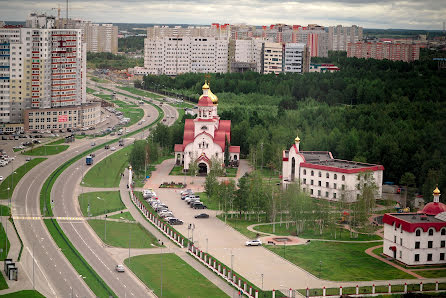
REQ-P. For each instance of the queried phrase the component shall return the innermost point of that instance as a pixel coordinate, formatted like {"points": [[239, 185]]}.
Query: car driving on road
{"points": [[202, 215], [120, 268]]}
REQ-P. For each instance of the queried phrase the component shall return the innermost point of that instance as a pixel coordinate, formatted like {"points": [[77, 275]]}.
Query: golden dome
{"points": [[213, 97], [436, 191], [297, 139], [205, 86]]}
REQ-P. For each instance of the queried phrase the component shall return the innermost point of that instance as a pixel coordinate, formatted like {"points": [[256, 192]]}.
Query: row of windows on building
{"points": [[327, 184], [428, 257], [327, 175], [327, 194]]}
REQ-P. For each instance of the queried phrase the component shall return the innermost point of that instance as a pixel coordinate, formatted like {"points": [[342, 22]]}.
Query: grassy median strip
{"points": [[124, 216], [57, 142], [179, 278], [91, 278], [3, 284], [46, 150], [11, 182], [123, 234], [101, 202], [107, 172]]}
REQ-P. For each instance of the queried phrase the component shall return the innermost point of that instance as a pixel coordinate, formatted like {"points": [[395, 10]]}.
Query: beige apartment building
{"points": [[272, 58], [100, 37]]}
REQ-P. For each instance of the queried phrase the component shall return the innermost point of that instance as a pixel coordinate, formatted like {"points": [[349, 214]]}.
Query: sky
{"points": [[384, 14]]}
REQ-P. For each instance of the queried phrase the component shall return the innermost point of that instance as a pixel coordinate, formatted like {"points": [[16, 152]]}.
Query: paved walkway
{"points": [[169, 245], [369, 251]]}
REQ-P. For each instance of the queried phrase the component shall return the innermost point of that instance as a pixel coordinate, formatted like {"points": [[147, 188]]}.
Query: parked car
{"points": [[175, 221], [93, 144], [202, 215], [107, 147], [120, 268], [200, 206], [28, 158], [1, 178], [254, 242], [112, 148]]}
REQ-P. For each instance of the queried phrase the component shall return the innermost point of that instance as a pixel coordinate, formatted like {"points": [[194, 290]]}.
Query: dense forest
{"points": [[111, 61], [391, 113], [131, 44]]}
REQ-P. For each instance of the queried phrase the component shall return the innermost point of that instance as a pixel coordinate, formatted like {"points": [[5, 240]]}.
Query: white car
{"points": [[112, 148], [1, 178], [254, 242], [120, 268]]}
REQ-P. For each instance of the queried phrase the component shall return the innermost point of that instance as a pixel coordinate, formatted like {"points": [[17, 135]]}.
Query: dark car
{"points": [[175, 221], [107, 147], [202, 215], [200, 206]]}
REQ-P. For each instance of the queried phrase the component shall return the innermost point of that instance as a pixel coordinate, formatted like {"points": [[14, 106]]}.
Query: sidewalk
{"points": [[14, 241], [169, 245]]}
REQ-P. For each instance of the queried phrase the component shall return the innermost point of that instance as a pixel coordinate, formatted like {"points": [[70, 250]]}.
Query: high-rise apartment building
{"points": [[296, 58], [272, 57], [99, 37], [339, 37], [176, 55], [40, 67], [384, 50]]}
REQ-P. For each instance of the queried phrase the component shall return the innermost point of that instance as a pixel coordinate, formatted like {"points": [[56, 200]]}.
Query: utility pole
{"points": [[130, 233]]}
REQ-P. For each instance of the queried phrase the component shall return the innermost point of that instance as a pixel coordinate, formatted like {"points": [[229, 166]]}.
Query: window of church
{"points": [[204, 127], [312, 173], [327, 184], [319, 193], [327, 175], [305, 172], [311, 191], [335, 176], [343, 177], [320, 174], [305, 181], [311, 182]]}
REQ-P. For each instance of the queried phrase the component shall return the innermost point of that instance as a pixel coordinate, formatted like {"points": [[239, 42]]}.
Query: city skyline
{"points": [[369, 14]]}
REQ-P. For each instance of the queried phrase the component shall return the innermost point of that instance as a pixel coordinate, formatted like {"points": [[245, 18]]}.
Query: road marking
{"points": [[62, 218], [44, 275]]}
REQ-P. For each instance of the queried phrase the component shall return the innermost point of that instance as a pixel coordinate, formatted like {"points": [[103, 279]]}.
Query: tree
{"points": [[211, 185], [242, 194], [366, 202], [408, 179], [137, 156], [227, 152]]}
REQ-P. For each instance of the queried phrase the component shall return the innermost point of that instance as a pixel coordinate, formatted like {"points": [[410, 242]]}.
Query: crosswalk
{"points": [[69, 218]]}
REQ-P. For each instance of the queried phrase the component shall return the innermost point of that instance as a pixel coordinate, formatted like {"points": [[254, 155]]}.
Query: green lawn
{"points": [[118, 234], [129, 110], [58, 142], [211, 204], [431, 273], [177, 171], [11, 181], [3, 284], [99, 80], [240, 224], [327, 233], [124, 215], [231, 172], [179, 278], [339, 261], [90, 91], [92, 279], [46, 150], [5, 210], [24, 294], [107, 173], [101, 202]]}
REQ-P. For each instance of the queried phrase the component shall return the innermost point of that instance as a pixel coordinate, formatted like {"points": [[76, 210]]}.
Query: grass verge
{"points": [[431, 273], [5, 250], [179, 278], [141, 92], [57, 142], [20, 239], [12, 180], [339, 261], [101, 202], [23, 294], [92, 279], [124, 215], [46, 150], [118, 234]]}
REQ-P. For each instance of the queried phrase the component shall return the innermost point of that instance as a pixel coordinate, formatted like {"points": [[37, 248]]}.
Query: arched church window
{"points": [[204, 127]]}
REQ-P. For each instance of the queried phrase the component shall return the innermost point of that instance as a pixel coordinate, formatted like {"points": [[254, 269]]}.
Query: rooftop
{"points": [[417, 218], [316, 156], [336, 163]]}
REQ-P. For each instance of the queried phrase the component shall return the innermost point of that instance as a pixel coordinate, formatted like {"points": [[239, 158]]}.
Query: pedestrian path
{"points": [[369, 251], [14, 241]]}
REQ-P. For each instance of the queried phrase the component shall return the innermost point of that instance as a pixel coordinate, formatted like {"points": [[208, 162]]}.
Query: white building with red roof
{"points": [[417, 238], [205, 137], [325, 177]]}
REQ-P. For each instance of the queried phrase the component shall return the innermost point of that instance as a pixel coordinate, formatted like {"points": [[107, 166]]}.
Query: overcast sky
{"points": [[408, 14]]}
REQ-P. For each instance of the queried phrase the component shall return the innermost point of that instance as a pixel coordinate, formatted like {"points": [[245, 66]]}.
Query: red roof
{"points": [[205, 101], [234, 149], [433, 208], [410, 227], [178, 148]]}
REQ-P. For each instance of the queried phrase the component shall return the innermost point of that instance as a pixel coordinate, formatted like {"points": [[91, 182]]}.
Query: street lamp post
{"points": [[162, 243], [105, 228], [320, 268], [130, 233]]}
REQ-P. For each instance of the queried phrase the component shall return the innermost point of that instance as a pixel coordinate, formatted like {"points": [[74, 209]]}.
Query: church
{"points": [[206, 137], [325, 177]]}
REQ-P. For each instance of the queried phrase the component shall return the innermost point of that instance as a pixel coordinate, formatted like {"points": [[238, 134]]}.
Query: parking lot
{"points": [[221, 241]]}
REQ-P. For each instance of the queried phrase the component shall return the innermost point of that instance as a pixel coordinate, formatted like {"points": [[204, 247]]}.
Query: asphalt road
{"points": [[51, 272]]}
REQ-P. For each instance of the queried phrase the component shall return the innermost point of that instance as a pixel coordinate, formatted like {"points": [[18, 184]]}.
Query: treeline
{"points": [[112, 61], [131, 44], [390, 113]]}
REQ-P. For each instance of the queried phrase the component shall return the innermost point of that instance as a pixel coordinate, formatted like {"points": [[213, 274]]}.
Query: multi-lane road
{"points": [[50, 272]]}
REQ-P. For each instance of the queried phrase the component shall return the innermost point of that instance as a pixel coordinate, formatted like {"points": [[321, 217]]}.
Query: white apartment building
{"points": [[216, 30], [40, 68], [272, 58], [296, 58], [98, 37], [176, 55], [324, 177], [339, 37]]}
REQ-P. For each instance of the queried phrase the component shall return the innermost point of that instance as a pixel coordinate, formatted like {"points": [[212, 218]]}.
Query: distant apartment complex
{"points": [[41, 67], [339, 37], [100, 37], [384, 50]]}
